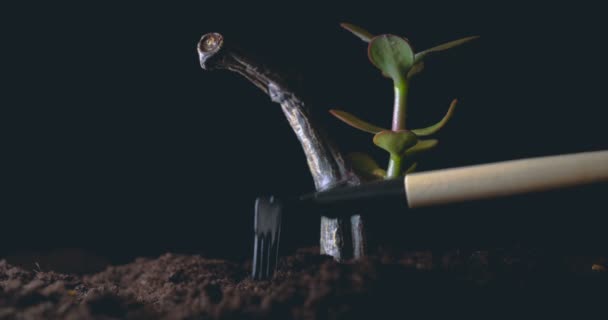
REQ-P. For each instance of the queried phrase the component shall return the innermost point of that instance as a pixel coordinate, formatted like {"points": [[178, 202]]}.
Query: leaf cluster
{"points": [[395, 58]]}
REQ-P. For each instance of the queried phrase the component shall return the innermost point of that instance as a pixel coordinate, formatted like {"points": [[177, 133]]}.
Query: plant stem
{"points": [[394, 167], [400, 105], [399, 112]]}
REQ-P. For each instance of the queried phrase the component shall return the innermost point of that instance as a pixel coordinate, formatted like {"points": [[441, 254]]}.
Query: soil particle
{"points": [[306, 286]]}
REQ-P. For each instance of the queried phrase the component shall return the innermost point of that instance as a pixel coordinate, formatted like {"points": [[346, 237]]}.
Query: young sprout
{"points": [[395, 58]]}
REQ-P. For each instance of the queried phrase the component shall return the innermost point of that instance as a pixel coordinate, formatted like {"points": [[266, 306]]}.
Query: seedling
{"points": [[396, 59]]}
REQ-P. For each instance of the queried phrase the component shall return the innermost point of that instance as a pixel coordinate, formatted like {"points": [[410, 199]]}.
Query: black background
{"points": [[114, 140]]}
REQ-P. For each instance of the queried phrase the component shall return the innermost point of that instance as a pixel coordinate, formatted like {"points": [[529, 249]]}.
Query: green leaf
{"points": [[437, 126], [395, 142], [420, 147], [358, 31], [355, 122], [420, 55], [416, 69], [392, 55], [365, 166], [412, 168]]}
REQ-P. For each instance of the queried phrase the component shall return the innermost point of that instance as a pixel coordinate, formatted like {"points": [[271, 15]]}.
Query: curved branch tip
{"points": [[209, 45]]}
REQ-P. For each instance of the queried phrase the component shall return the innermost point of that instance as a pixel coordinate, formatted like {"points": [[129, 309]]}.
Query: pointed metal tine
{"points": [[256, 258], [273, 255], [260, 258], [263, 258], [267, 226], [267, 270]]}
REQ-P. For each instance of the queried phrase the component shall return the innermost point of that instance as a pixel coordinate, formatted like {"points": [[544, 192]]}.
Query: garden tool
{"points": [[430, 188]]}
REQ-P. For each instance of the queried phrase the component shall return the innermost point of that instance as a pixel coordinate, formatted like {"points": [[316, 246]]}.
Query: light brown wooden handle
{"points": [[505, 178]]}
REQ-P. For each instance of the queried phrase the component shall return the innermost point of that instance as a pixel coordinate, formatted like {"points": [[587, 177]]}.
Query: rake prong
{"points": [[273, 255], [265, 249], [267, 227], [263, 257], [255, 273]]}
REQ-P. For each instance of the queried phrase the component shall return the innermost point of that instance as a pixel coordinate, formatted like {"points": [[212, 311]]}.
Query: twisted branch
{"points": [[325, 162]]}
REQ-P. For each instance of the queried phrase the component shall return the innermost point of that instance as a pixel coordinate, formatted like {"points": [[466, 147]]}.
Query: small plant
{"points": [[394, 56]]}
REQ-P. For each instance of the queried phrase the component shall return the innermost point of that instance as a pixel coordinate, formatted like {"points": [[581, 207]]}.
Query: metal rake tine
{"points": [[261, 263], [255, 274], [265, 249], [267, 227], [263, 274], [273, 253]]}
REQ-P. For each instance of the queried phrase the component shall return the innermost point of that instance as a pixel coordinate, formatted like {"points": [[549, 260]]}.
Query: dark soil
{"points": [[310, 286]]}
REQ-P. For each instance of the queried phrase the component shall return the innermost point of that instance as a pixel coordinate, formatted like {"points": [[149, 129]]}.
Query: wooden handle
{"points": [[505, 178]]}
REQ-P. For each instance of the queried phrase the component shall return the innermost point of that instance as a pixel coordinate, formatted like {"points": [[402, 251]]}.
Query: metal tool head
{"points": [[267, 231]]}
